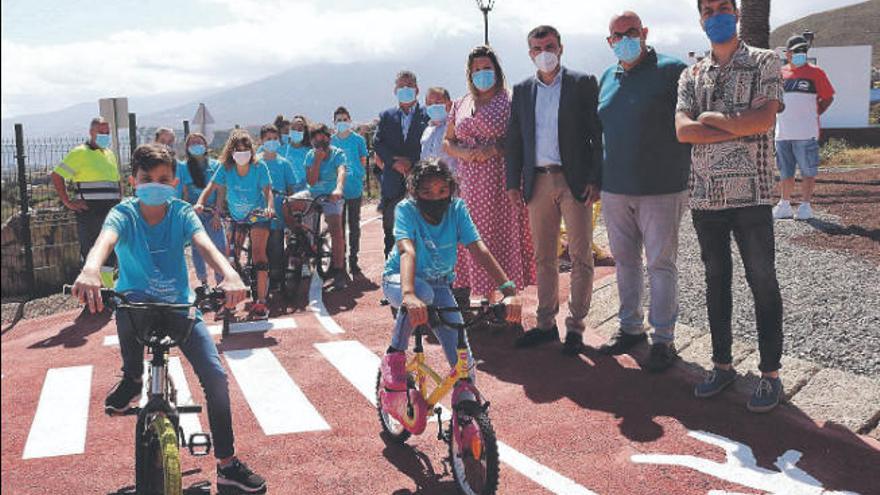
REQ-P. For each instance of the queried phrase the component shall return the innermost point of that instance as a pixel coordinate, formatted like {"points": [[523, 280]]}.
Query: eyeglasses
{"points": [[631, 33]]}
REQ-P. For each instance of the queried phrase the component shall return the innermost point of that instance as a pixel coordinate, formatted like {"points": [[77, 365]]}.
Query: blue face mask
{"points": [[271, 145], [406, 94], [483, 79], [285, 138], [197, 149], [627, 49], [437, 112], [720, 27], [343, 126], [103, 141], [296, 137], [799, 59], [154, 193]]}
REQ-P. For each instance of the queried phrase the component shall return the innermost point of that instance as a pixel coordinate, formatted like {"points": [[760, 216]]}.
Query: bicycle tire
{"points": [[324, 256], [464, 459], [157, 458], [392, 429]]}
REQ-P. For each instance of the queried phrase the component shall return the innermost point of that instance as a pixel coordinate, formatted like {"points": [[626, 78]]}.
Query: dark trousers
{"points": [[89, 224], [388, 223], [352, 217], [752, 228], [275, 253]]}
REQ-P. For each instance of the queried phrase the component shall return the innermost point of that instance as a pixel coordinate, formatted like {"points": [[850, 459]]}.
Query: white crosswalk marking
{"points": [[275, 399], [189, 422], [59, 426], [235, 328], [540, 474], [316, 305]]}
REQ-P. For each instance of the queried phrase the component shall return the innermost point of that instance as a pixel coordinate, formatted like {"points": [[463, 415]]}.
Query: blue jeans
{"points": [[800, 153], [433, 294], [218, 237], [201, 353]]}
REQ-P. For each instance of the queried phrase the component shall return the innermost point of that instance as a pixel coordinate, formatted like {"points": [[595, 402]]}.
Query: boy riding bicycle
{"points": [[148, 234], [428, 227]]}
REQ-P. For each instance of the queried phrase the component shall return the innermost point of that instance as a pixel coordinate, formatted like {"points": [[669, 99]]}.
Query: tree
{"points": [[754, 24]]}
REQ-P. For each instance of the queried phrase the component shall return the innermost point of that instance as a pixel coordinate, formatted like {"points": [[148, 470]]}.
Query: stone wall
{"points": [[55, 249]]}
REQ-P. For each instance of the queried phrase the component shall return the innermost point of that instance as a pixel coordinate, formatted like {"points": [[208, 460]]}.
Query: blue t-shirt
{"points": [[283, 182], [329, 168], [244, 194], [151, 260], [297, 158], [436, 245], [355, 148], [192, 190]]}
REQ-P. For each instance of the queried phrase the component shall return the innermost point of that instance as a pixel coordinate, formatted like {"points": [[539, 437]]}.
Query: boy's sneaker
{"points": [[237, 476], [340, 280], [804, 212], [766, 396], [260, 311], [662, 356], [122, 396], [782, 210], [717, 381], [622, 342]]}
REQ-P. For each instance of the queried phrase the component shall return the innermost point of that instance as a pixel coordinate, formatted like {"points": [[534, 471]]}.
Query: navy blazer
{"points": [[580, 134], [388, 143]]}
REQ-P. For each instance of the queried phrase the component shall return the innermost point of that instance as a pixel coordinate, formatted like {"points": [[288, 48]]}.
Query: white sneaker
{"points": [[782, 210], [804, 212]]}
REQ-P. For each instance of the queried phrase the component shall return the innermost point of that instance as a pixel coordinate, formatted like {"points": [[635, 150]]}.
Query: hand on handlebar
{"points": [[416, 310], [234, 288], [514, 309], [87, 288]]}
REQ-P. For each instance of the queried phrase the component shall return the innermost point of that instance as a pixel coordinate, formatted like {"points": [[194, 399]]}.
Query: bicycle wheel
{"points": [[473, 450], [324, 256], [394, 429], [157, 458]]}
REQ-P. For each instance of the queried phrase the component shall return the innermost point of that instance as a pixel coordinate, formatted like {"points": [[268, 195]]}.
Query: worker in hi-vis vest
{"points": [[92, 167]]}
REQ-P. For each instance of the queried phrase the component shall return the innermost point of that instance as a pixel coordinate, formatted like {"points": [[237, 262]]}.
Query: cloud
{"points": [[263, 37]]}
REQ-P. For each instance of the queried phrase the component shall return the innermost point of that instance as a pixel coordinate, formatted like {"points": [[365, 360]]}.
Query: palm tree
{"points": [[754, 24]]}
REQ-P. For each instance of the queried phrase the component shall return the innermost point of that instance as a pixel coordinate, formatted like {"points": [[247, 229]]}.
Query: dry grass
{"points": [[853, 158]]}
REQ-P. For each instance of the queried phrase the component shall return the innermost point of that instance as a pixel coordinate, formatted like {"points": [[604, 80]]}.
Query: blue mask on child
{"points": [[285, 138], [483, 79], [103, 141], [271, 145], [154, 193], [799, 59], [627, 49], [406, 94], [437, 112], [343, 126], [197, 149], [720, 28], [296, 137]]}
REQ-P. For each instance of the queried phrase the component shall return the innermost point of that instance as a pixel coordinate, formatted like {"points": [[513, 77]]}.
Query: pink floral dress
{"points": [[503, 227]]}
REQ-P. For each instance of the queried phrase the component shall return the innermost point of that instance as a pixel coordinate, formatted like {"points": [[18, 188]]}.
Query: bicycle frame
{"points": [[423, 372]]}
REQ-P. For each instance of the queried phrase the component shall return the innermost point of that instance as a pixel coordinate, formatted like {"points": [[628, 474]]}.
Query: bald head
{"points": [[624, 21]]}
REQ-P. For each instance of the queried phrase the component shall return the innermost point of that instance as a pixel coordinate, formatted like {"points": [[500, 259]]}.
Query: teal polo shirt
{"points": [[637, 109]]}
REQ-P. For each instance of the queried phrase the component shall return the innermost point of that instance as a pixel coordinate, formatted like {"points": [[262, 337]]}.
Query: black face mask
{"points": [[433, 209], [321, 144]]}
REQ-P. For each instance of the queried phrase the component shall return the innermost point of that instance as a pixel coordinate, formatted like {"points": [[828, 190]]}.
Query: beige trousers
{"points": [[551, 202]]}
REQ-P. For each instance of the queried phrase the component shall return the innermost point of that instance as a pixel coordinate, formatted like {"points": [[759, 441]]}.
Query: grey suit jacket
{"points": [[580, 134]]}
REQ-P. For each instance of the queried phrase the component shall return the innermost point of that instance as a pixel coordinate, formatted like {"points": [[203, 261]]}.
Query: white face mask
{"points": [[241, 157], [546, 61]]}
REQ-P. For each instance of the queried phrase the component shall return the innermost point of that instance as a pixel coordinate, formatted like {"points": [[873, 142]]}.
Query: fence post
{"points": [[24, 197], [132, 133], [185, 129]]}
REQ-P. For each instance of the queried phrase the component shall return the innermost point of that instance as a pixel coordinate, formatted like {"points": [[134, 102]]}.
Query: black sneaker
{"points": [[767, 395], [537, 336], [574, 344], [621, 342], [717, 380], [662, 357], [238, 478], [122, 396]]}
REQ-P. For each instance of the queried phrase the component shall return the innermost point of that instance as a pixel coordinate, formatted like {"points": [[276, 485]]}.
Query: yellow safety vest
{"points": [[94, 171]]}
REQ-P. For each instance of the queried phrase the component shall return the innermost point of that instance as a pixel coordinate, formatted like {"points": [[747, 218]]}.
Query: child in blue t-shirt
{"points": [[355, 148], [194, 174], [284, 183], [428, 227], [244, 185], [297, 147], [149, 233]]}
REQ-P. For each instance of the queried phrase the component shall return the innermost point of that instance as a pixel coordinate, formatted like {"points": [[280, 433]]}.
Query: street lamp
{"points": [[485, 6]]}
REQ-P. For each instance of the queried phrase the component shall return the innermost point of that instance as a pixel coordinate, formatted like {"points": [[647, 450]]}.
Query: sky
{"points": [[57, 53]]}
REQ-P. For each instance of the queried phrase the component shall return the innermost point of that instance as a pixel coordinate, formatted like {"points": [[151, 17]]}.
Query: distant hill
{"points": [[857, 24]]}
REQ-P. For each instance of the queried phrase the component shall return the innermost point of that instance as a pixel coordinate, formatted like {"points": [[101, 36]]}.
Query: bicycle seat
{"points": [[153, 326]]}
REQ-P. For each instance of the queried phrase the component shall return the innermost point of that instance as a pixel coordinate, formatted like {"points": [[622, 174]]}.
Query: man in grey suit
{"points": [[554, 157]]}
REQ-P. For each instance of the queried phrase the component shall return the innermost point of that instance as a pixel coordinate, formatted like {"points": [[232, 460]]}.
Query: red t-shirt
{"points": [[804, 87]]}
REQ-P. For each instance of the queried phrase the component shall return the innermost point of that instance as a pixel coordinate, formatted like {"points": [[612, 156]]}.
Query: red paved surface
{"points": [[581, 417]]}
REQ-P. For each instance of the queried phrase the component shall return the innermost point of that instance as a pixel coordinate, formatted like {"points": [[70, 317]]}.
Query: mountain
{"points": [[857, 24]]}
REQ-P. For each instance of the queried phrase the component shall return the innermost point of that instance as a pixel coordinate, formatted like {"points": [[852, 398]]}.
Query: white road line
{"points": [[540, 474], [190, 421], [234, 328], [275, 399], [59, 426], [316, 305]]}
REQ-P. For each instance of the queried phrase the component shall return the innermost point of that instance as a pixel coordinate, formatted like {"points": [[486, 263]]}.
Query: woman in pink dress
{"points": [[475, 136]]}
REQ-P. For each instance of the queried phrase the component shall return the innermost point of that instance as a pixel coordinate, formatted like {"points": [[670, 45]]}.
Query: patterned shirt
{"points": [[740, 172]]}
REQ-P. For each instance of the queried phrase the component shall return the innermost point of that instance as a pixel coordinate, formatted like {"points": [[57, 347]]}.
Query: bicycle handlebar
{"points": [[109, 296], [497, 312]]}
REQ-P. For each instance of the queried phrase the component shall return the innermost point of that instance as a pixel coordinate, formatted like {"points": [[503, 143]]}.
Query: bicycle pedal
{"points": [[199, 444]]}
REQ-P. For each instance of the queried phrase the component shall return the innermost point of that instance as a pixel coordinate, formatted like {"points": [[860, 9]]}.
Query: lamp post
{"points": [[485, 6]]}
